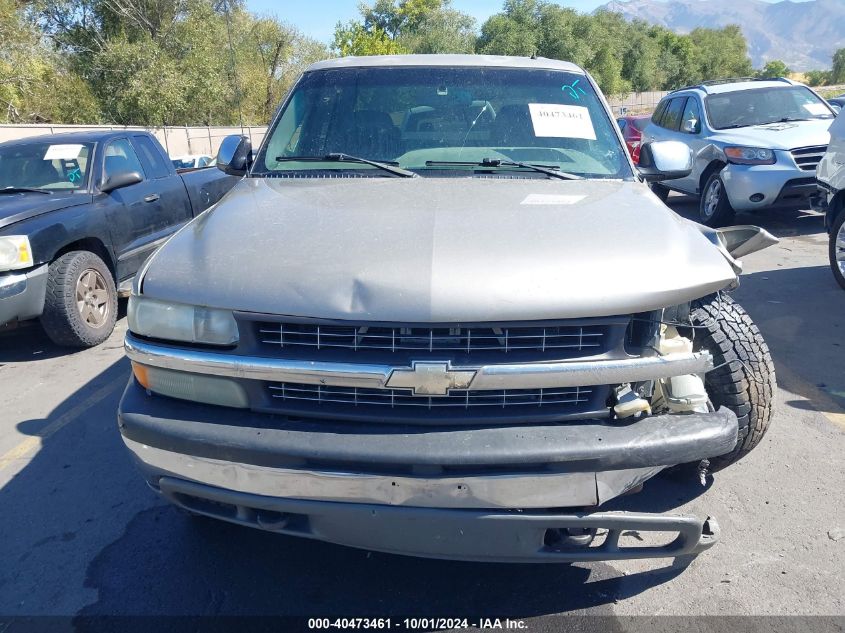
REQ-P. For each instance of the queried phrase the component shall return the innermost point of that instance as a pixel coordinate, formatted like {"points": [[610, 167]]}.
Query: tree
{"points": [[720, 53], [773, 69], [817, 77], [35, 84], [356, 39], [155, 62], [837, 74], [412, 26]]}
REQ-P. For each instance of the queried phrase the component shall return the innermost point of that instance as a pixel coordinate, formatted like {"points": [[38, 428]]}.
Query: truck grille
{"points": [[808, 158], [479, 342], [399, 405]]}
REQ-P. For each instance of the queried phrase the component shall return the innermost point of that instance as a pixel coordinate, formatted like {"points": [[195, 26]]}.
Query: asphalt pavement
{"points": [[82, 535]]}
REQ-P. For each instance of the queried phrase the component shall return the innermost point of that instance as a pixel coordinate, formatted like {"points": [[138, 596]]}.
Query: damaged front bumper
{"points": [[453, 534], [492, 493]]}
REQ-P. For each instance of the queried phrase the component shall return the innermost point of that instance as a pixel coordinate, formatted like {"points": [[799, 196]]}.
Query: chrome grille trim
{"points": [[356, 338], [583, 373], [400, 398], [808, 158]]}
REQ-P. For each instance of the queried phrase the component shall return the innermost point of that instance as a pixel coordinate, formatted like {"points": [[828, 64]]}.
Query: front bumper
{"points": [[470, 493], [22, 294], [473, 535], [782, 185]]}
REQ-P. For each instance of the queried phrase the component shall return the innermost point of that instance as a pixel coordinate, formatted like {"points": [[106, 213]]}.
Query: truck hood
{"points": [[15, 207], [782, 136], [437, 250]]}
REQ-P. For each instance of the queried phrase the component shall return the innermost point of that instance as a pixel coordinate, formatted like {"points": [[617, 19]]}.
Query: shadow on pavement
{"points": [[82, 528], [27, 341], [781, 223]]}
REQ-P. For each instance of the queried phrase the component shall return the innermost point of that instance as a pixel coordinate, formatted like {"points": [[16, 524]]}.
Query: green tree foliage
{"points": [[774, 68], [168, 62], [621, 55], [817, 77], [353, 38], [720, 53], [837, 74], [406, 26], [35, 85]]}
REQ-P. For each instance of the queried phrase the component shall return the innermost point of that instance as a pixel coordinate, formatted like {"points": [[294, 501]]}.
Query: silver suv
{"points": [[442, 315], [756, 144]]}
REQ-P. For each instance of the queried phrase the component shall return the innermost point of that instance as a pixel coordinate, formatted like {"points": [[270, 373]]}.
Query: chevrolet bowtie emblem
{"points": [[430, 379]]}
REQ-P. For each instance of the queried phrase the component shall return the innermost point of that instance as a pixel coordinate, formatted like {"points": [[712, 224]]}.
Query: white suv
{"points": [[756, 144], [831, 175]]}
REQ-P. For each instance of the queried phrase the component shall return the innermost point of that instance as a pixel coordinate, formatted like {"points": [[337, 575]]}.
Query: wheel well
{"points": [[716, 165], [91, 244]]}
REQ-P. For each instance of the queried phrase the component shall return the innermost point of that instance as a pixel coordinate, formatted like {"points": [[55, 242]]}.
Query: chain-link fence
{"points": [[177, 140]]}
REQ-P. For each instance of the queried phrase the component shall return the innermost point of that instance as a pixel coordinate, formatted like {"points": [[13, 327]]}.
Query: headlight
{"points": [[180, 322], [750, 155], [15, 252]]}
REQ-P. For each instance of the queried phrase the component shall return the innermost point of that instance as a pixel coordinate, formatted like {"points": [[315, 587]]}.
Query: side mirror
{"points": [[235, 155], [121, 179], [665, 160], [836, 109]]}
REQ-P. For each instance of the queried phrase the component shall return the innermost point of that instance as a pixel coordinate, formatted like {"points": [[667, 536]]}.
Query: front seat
{"points": [[513, 127], [373, 136]]}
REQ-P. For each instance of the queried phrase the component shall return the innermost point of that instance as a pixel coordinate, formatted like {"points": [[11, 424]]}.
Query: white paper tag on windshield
{"points": [[553, 199], [561, 121], [816, 108], [62, 152]]}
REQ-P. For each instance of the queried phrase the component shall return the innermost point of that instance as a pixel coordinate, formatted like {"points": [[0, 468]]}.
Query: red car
{"points": [[632, 127]]}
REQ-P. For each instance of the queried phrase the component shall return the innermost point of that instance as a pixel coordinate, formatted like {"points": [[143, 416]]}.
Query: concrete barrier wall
{"points": [[178, 141]]}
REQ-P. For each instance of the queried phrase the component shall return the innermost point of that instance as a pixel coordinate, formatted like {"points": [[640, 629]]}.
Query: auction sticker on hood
{"points": [[62, 152], [552, 199], [561, 121]]}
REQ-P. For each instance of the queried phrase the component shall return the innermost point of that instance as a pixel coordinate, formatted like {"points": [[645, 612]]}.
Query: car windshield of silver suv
{"points": [[762, 106], [444, 121], [442, 315]]}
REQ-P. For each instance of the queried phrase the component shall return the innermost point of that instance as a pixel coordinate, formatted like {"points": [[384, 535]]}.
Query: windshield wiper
{"points": [[338, 157], [554, 172], [23, 190]]}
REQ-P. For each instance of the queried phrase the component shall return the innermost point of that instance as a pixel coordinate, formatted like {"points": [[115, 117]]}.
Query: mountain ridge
{"points": [[802, 34]]}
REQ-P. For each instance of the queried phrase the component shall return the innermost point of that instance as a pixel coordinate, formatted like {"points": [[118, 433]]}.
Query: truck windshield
{"points": [[444, 121], [761, 106], [45, 165]]}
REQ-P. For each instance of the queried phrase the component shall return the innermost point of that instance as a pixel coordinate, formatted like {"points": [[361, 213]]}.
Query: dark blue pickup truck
{"points": [[79, 214]]}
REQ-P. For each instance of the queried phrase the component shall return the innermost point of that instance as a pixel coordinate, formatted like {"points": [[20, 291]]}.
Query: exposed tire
{"points": [[745, 379], [714, 208], [836, 248], [80, 308], [660, 191]]}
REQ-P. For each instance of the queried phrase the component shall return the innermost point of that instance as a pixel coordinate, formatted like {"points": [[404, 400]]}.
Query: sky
{"points": [[317, 18]]}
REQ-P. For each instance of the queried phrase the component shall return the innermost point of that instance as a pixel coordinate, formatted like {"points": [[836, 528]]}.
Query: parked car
{"points": [[756, 144], [79, 213], [831, 181], [632, 127], [454, 336], [193, 161]]}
